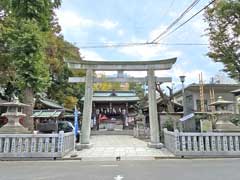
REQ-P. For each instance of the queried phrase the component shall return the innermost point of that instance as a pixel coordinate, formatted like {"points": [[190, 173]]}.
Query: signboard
{"points": [[184, 118], [206, 125]]}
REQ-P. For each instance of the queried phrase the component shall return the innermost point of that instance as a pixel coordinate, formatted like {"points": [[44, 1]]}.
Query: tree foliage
{"points": [[106, 86], [33, 52], [224, 33]]}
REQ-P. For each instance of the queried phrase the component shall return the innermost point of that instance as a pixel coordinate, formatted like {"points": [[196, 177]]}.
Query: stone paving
{"points": [[119, 147]]}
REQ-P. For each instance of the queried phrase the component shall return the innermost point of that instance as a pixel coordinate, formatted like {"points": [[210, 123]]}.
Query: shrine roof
{"points": [[47, 113], [118, 93], [117, 96], [51, 103]]}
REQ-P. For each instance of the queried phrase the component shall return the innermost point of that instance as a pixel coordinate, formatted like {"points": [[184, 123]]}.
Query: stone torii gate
{"points": [[149, 66]]}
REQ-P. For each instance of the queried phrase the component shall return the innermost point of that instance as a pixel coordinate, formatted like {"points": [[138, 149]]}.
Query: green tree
{"points": [[106, 86], [138, 88], [32, 49], [224, 34]]}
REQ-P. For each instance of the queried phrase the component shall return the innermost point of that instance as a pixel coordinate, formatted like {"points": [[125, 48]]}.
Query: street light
{"points": [[182, 79]]}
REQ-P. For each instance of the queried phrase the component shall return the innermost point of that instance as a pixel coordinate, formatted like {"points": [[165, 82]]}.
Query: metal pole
{"points": [[182, 78]]}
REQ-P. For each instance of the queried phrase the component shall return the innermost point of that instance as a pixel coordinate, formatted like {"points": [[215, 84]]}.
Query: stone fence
{"points": [[210, 144], [36, 145]]}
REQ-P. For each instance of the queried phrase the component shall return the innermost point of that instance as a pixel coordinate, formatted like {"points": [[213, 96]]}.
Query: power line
{"points": [[189, 8], [140, 44], [205, 7], [157, 43]]}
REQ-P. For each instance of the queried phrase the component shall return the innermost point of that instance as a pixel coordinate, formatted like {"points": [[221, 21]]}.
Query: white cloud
{"points": [[108, 24], [156, 32], [70, 19], [173, 14], [120, 32], [200, 26], [91, 55], [147, 52]]}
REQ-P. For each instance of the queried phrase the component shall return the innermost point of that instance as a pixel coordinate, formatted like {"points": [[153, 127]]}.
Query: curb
{"points": [[118, 158]]}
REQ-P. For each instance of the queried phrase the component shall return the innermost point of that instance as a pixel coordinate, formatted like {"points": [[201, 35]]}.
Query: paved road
{"points": [[208, 169]]}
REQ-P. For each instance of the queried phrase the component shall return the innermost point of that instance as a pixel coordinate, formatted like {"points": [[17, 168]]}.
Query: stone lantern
{"points": [[223, 114], [13, 114]]}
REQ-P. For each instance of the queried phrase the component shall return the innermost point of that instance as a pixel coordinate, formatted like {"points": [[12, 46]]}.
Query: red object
{"points": [[3, 120], [102, 118], [21, 119]]}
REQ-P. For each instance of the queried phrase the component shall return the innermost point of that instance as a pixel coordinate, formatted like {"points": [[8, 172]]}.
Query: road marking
{"points": [[109, 165], [118, 177]]}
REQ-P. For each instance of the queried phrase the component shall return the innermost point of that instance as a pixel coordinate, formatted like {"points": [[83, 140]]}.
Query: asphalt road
{"points": [[206, 169]]}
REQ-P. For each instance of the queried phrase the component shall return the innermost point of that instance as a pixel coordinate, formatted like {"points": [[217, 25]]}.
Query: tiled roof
{"points": [[119, 96], [47, 113], [51, 104]]}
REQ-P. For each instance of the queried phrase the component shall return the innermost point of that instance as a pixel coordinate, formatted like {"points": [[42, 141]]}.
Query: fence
{"points": [[36, 145], [202, 144]]}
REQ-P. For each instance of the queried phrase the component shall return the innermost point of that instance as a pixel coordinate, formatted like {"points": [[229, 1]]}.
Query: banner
{"points": [[184, 118]]}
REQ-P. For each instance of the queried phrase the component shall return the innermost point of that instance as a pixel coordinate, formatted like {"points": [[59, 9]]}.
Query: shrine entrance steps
{"points": [[119, 147]]}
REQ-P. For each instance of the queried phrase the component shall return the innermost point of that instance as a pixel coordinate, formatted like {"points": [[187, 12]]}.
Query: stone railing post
{"points": [[60, 141], [176, 141]]}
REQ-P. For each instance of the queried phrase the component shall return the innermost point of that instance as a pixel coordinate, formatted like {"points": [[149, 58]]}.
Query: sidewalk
{"points": [[119, 147]]}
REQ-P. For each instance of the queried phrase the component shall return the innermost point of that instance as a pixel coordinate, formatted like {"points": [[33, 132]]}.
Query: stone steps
{"points": [[113, 132]]}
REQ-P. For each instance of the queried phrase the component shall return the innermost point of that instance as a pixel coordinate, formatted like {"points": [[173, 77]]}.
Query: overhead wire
{"points": [[157, 39], [140, 44], [189, 8], [189, 19]]}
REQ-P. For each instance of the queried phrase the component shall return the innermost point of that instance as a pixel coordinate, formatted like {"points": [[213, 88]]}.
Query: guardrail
{"points": [[210, 144], [36, 145]]}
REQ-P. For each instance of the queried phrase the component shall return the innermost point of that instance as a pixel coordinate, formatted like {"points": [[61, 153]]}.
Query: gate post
{"points": [[153, 117], [87, 110]]}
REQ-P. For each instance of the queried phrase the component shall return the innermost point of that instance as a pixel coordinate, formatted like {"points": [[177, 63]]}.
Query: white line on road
{"points": [[109, 165], [118, 177]]}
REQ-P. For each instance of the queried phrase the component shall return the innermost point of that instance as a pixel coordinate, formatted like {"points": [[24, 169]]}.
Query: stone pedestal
{"points": [[13, 114], [155, 145], [14, 127], [224, 125], [83, 146]]}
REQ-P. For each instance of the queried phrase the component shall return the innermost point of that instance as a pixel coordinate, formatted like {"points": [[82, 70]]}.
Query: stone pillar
{"points": [[236, 105], [87, 110], [153, 118]]}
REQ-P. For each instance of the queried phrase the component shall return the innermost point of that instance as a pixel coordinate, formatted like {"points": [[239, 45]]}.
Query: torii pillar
{"points": [[87, 110], [152, 105]]}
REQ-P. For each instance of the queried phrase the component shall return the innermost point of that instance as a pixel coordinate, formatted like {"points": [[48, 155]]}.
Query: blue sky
{"points": [[86, 23]]}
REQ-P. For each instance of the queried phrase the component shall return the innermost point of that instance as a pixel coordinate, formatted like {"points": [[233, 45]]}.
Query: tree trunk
{"points": [[28, 99], [166, 100]]}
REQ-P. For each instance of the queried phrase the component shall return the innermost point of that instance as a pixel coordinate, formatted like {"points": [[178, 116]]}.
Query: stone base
{"points": [[14, 130], [74, 154], [226, 126], [83, 146], [155, 145]]}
